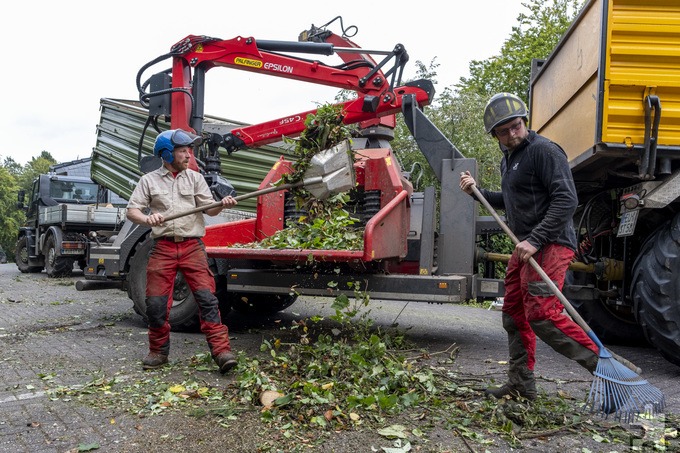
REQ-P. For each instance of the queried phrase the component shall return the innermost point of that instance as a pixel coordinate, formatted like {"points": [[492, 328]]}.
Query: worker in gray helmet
{"points": [[539, 199]]}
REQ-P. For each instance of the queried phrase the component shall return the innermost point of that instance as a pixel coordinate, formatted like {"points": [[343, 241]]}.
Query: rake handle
{"points": [[257, 193], [555, 290]]}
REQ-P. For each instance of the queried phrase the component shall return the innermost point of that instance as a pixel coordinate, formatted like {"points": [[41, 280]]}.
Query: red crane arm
{"points": [[376, 84]]}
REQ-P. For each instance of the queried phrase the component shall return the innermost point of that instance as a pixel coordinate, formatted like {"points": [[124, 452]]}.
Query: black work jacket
{"points": [[537, 193]]}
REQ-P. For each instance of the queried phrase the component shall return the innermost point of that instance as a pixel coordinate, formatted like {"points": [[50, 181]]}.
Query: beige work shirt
{"points": [[168, 195]]}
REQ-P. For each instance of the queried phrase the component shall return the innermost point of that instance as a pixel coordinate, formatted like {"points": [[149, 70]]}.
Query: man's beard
{"points": [[179, 166], [515, 142]]}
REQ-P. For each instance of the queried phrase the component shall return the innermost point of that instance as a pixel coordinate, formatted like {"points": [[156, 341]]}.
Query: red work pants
{"points": [[534, 309], [189, 257]]}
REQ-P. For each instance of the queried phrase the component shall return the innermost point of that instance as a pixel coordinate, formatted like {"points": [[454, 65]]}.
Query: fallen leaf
{"points": [[398, 448], [394, 432], [564, 395]]}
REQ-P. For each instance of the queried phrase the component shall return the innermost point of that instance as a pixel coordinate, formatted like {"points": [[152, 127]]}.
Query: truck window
{"points": [[61, 190], [35, 195], [85, 191]]}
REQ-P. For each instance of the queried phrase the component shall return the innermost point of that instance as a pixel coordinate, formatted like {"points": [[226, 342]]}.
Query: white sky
{"points": [[61, 57]]}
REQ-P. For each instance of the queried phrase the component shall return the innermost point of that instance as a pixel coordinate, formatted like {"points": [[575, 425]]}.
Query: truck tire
{"points": [[260, 304], [21, 257], [184, 311], [56, 265], [656, 289], [610, 327], [221, 292]]}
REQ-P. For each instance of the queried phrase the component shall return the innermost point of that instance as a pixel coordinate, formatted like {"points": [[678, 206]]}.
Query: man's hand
{"points": [[466, 182], [137, 216], [154, 219], [525, 251], [228, 202]]}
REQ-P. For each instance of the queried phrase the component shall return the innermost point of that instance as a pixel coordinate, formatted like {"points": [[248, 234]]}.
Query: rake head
{"points": [[621, 393]]}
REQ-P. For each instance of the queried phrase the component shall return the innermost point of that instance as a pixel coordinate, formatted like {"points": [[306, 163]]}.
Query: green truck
{"points": [[64, 214]]}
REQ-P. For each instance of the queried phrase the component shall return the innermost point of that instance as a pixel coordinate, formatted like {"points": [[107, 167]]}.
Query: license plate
{"points": [[628, 221]]}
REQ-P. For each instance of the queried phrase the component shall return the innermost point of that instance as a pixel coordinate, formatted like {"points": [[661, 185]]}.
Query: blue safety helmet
{"points": [[167, 141]]}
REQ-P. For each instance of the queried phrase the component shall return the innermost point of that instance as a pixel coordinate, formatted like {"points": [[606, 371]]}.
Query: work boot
{"points": [[154, 360], [521, 384], [226, 361], [510, 391]]}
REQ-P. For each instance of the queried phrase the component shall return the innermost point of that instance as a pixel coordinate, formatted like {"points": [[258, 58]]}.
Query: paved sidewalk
{"points": [[51, 335]]}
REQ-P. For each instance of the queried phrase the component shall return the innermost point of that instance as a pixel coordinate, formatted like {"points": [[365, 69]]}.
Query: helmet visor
{"points": [[183, 138]]}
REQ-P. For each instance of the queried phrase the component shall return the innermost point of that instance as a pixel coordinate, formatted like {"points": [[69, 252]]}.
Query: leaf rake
{"points": [[617, 389]]}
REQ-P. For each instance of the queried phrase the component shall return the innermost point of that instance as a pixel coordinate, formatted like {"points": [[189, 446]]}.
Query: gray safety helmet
{"points": [[501, 108]]}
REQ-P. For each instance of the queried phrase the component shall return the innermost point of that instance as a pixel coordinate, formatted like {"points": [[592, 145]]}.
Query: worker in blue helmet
{"points": [[539, 199], [172, 189]]}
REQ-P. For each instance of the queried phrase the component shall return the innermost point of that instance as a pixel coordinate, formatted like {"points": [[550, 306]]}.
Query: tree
{"points": [[36, 166], [10, 217], [404, 145], [458, 111], [12, 166]]}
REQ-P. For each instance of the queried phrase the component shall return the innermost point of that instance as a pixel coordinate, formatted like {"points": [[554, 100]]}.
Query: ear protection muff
{"points": [[163, 147], [167, 156]]}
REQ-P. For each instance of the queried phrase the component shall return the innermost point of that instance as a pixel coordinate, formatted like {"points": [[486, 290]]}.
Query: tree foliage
{"points": [[458, 111], [534, 37], [10, 217], [36, 166]]}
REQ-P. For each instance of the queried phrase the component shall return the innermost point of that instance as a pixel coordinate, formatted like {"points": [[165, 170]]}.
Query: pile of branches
{"points": [[326, 223]]}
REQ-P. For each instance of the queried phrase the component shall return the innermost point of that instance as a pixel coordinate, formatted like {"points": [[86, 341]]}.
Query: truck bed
{"points": [[73, 214], [594, 88], [115, 155]]}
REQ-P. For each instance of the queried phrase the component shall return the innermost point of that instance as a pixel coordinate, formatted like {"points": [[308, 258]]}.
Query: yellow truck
{"points": [[609, 94]]}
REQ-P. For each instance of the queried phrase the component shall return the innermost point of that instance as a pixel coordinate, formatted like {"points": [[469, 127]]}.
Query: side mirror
{"points": [[21, 195]]}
